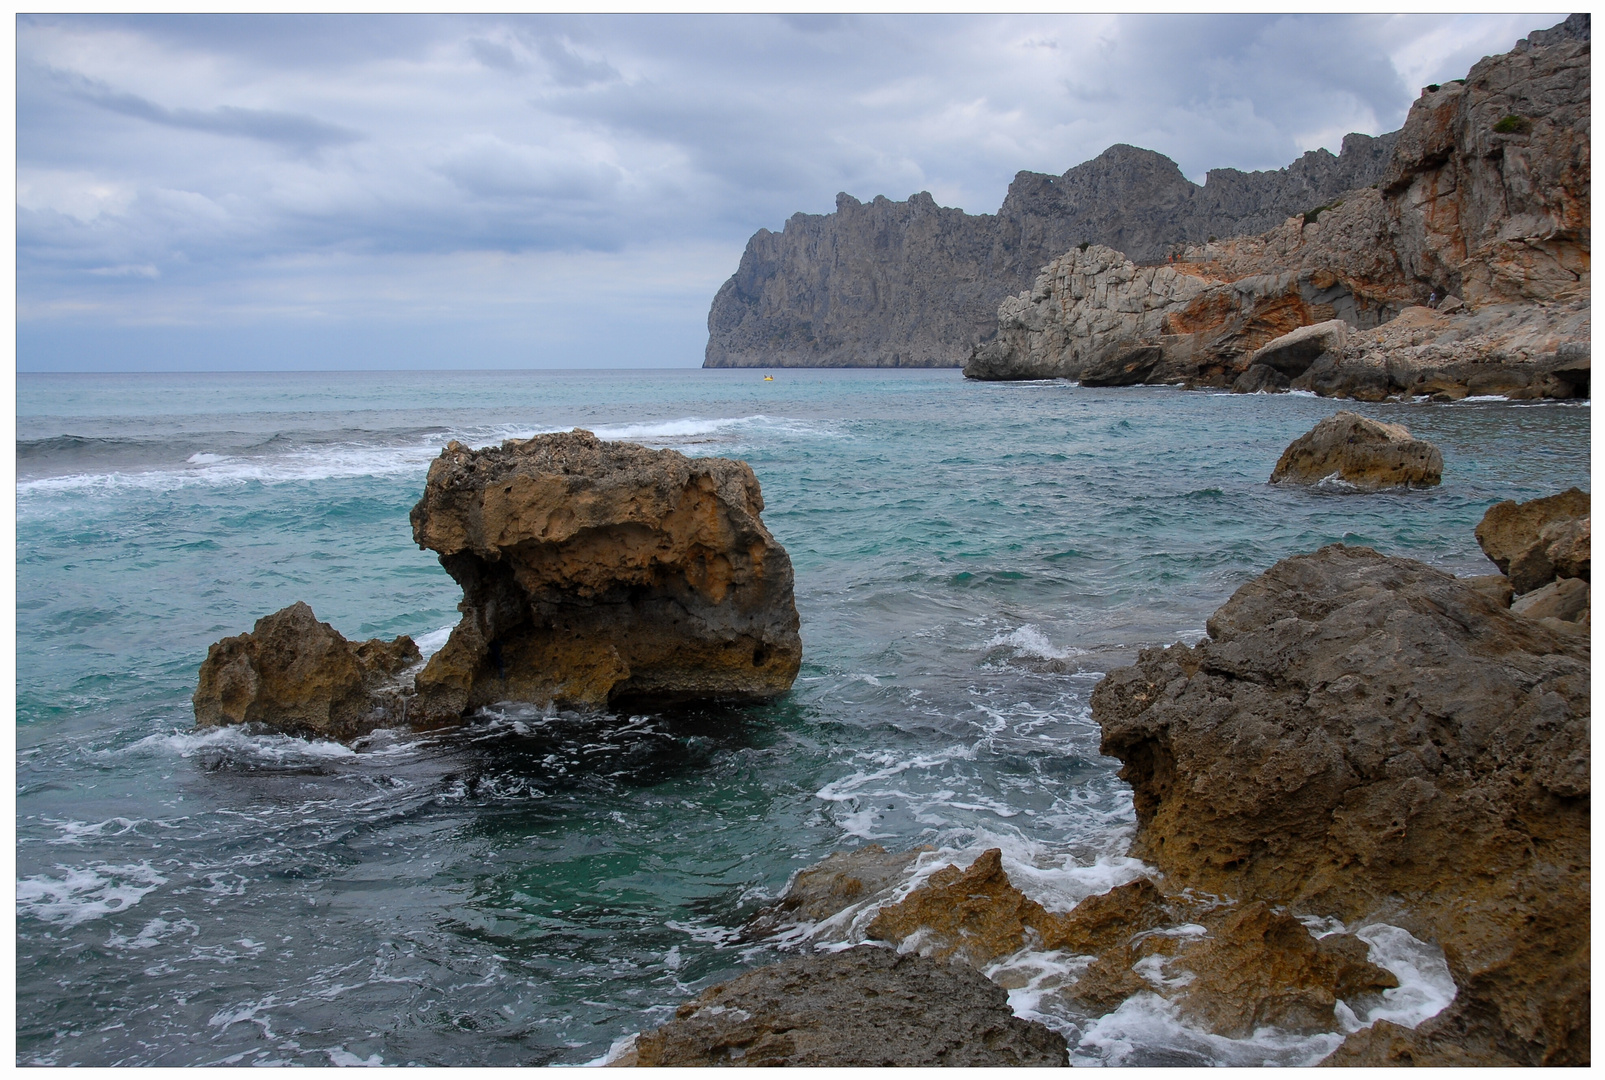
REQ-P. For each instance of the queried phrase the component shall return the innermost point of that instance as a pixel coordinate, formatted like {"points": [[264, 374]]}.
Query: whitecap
{"points": [[1028, 640], [431, 643], [84, 894]]}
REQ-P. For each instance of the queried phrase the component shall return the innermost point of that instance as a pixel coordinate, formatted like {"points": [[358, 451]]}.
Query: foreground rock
{"points": [[1363, 454], [598, 573], [1366, 737], [299, 676], [866, 1006]]}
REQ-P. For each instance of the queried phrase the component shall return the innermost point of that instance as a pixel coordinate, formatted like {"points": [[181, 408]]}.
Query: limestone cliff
{"points": [[914, 284], [1484, 202]]}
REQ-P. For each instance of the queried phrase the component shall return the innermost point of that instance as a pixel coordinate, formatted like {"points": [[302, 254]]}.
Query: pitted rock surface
{"points": [[1534, 542], [299, 676], [1366, 737], [862, 1007], [1364, 454], [597, 573]]}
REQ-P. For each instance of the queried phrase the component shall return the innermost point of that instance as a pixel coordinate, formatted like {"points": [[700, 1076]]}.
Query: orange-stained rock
{"points": [[973, 915], [1362, 736], [299, 676], [596, 573]]}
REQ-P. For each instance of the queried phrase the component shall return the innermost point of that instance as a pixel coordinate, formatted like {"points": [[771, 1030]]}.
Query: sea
{"points": [[535, 887]]}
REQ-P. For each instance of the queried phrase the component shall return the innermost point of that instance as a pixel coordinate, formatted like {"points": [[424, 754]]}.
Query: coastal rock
{"points": [[863, 1007], [973, 916], [1364, 454], [1485, 198], [840, 883], [1532, 542], [1230, 969], [914, 284], [299, 676], [1259, 379], [1095, 315], [595, 573], [1128, 367], [1364, 737], [1489, 183], [1565, 599], [1294, 352]]}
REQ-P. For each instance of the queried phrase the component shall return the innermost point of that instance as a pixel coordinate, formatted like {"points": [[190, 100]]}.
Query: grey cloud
{"points": [[269, 125], [569, 68], [541, 134]]}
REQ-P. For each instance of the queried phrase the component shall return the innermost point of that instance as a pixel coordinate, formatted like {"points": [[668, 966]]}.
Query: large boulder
{"points": [[862, 1007], [299, 676], [598, 573], [1364, 737], [1364, 455], [1535, 542], [1293, 352]]}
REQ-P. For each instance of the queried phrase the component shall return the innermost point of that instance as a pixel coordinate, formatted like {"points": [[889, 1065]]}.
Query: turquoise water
{"points": [[970, 559]]}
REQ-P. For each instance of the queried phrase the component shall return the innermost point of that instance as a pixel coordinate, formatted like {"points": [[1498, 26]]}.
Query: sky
{"points": [[436, 192]]}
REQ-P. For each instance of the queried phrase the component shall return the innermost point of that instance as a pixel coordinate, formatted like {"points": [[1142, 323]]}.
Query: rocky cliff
{"points": [[914, 284], [1484, 201]]}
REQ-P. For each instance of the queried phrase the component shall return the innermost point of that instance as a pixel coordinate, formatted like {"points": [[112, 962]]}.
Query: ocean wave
{"points": [[229, 458], [83, 894], [1028, 641]]}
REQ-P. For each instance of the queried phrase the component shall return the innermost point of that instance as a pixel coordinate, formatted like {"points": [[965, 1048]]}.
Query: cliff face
{"points": [[1485, 197], [1488, 187], [914, 284]]}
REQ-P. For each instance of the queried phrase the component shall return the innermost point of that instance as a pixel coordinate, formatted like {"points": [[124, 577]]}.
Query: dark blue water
{"points": [[970, 558]]}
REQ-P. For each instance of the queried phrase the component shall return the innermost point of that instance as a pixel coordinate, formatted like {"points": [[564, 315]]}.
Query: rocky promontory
{"points": [[1362, 751], [914, 284], [1482, 210]]}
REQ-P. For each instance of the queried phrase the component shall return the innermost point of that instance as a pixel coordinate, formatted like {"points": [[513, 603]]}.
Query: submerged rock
{"points": [[1364, 454], [299, 676], [1364, 737], [835, 885], [865, 1006], [595, 573]]}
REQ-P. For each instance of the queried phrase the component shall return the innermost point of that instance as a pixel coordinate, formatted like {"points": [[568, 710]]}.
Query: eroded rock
{"points": [[296, 675], [1565, 599], [1294, 352], [840, 882], [1364, 454], [1361, 736], [1534, 541], [866, 1006], [597, 573]]}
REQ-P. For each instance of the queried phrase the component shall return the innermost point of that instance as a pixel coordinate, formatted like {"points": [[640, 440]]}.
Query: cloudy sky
{"points": [[269, 192]]}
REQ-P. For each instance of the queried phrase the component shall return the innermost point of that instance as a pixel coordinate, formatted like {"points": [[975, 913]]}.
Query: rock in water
{"points": [[1365, 737], [299, 676], [866, 1006], [1364, 454], [597, 572], [1535, 542]]}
